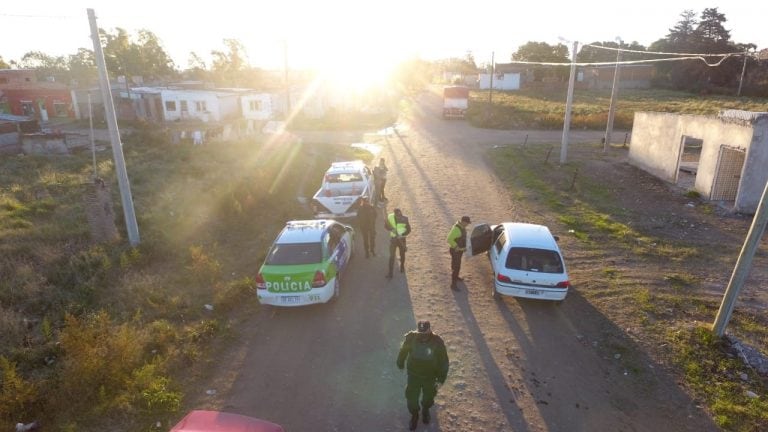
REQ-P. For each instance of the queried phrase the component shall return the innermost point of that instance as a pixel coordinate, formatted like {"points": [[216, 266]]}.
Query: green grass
{"points": [[585, 206], [537, 109], [116, 325]]}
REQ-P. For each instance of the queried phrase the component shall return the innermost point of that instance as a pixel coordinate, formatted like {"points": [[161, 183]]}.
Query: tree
{"points": [[590, 54], [46, 66], [711, 30], [544, 52], [229, 67], [82, 68], [145, 58], [3, 64], [681, 36], [196, 68]]}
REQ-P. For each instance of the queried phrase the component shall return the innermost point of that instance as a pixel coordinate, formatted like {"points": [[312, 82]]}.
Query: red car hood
{"points": [[216, 421]]}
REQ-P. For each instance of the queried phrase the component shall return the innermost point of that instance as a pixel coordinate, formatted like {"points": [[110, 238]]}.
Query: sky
{"points": [[358, 33]]}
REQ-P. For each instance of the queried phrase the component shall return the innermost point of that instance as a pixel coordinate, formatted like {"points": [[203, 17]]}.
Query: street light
{"points": [[614, 92], [568, 103]]}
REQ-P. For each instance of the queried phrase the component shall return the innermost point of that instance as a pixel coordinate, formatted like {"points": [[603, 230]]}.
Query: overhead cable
{"points": [[627, 62], [663, 53]]}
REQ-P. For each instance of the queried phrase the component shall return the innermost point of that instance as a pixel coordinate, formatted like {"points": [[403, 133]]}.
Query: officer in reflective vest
{"points": [[398, 227], [457, 243], [427, 366]]}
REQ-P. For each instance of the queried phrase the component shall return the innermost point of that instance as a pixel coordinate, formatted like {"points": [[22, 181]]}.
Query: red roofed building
{"points": [[22, 94]]}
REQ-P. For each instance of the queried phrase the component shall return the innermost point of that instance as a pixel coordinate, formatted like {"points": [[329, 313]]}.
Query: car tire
{"points": [[336, 288], [495, 294]]}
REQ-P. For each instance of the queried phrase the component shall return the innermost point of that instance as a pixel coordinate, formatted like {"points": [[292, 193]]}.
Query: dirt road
{"points": [[515, 365]]}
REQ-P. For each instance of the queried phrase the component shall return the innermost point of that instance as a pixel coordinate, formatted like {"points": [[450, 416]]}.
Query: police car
{"points": [[305, 263], [525, 259]]}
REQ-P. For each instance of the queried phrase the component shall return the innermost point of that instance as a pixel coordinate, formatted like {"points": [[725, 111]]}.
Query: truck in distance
{"points": [[455, 101]]}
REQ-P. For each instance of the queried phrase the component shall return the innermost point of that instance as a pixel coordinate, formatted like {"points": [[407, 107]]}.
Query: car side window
{"points": [[327, 244], [500, 242]]}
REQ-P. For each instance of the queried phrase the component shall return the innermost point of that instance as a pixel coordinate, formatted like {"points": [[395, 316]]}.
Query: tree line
{"points": [[705, 34], [142, 55]]}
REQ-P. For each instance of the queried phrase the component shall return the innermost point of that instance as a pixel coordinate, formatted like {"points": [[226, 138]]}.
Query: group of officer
{"points": [[422, 352]]}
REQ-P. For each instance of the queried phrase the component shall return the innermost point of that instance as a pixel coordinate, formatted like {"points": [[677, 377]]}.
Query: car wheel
{"points": [[495, 294]]}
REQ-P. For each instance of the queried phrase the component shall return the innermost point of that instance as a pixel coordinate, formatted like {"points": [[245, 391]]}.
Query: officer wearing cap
{"points": [[457, 243], [427, 361], [399, 227]]}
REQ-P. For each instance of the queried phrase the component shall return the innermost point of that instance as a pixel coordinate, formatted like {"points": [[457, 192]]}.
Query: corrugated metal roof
{"points": [[744, 116]]}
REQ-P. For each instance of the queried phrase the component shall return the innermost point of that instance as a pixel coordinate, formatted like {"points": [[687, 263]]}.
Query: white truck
{"points": [[343, 185], [455, 102]]}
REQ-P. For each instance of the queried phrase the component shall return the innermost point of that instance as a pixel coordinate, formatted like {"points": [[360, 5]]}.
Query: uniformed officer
{"points": [[457, 243], [399, 227], [427, 361], [366, 221]]}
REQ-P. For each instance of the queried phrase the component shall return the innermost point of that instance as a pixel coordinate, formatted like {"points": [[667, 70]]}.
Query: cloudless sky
{"points": [[358, 31]]}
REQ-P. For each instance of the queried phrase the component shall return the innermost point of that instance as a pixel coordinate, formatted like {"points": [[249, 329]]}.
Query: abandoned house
{"points": [[724, 157]]}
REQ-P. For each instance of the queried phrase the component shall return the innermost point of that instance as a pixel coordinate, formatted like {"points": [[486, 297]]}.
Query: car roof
{"points": [[304, 231], [529, 235], [340, 167]]}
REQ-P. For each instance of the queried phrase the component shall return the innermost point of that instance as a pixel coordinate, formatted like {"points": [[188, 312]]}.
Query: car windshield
{"points": [[343, 177], [538, 260], [295, 254]]}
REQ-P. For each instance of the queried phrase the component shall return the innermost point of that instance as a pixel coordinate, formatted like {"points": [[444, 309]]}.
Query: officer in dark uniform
{"points": [[427, 361], [457, 243], [366, 221]]}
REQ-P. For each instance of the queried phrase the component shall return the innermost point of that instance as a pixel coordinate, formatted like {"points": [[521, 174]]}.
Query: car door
{"points": [[480, 239], [341, 242]]}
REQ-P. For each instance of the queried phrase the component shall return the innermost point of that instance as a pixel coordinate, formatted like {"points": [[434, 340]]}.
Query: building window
{"points": [[170, 105], [200, 106], [27, 108], [254, 105], [184, 106], [59, 109]]}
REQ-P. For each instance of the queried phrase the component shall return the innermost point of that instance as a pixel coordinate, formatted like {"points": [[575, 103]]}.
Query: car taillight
{"points": [[260, 283], [563, 284], [319, 279], [501, 278]]}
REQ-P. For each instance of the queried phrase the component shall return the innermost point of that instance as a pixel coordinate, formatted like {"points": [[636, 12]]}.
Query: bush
{"points": [[17, 396]]}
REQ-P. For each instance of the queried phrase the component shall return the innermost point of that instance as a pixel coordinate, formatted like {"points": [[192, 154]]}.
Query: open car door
{"points": [[480, 240]]}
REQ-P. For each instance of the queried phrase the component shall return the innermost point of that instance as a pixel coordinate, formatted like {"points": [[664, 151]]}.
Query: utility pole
{"points": [[114, 134], [743, 69], [612, 108], [743, 265], [568, 104], [490, 89], [287, 83]]}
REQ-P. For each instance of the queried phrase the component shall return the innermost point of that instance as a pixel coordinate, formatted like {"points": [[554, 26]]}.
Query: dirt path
{"points": [[515, 365]]}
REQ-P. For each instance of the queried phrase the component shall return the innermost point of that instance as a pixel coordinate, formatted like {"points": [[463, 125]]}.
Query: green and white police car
{"points": [[305, 263]]}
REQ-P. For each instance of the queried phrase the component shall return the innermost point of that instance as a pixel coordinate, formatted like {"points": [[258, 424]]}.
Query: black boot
{"points": [[414, 420], [425, 417]]}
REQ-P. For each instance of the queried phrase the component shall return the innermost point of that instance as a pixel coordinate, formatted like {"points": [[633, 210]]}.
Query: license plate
{"points": [[290, 299], [533, 292]]}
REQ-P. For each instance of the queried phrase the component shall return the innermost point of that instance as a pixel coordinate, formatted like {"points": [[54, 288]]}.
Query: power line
{"points": [[39, 16], [665, 53], [629, 62]]}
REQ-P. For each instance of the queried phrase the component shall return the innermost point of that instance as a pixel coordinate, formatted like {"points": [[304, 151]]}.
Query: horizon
{"points": [[341, 35]]}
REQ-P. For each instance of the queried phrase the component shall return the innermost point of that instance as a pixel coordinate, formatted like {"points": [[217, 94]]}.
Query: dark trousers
{"points": [[455, 263], [418, 386], [369, 238], [380, 190], [394, 244]]}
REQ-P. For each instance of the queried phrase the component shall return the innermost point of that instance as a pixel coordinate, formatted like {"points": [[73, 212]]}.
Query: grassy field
{"points": [[635, 285], [92, 334], [529, 109]]}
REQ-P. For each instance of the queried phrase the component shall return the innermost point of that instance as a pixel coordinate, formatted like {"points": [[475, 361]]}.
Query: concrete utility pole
{"points": [[743, 69], [114, 134], [743, 265], [490, 89], [614, 93], [287, 83], [568, 103]]}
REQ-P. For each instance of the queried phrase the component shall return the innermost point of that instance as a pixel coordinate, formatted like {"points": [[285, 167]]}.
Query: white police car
{"points": [[305, 263], [525, 259]]}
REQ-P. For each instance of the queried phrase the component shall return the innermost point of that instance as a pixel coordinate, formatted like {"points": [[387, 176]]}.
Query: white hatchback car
{"points": [[525, 259]]}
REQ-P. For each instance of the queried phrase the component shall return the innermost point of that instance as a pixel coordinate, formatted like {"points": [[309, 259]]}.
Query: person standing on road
{"points": [[427, 360], [366, 221], [380, 180], [457, 243], [399, 227]]}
